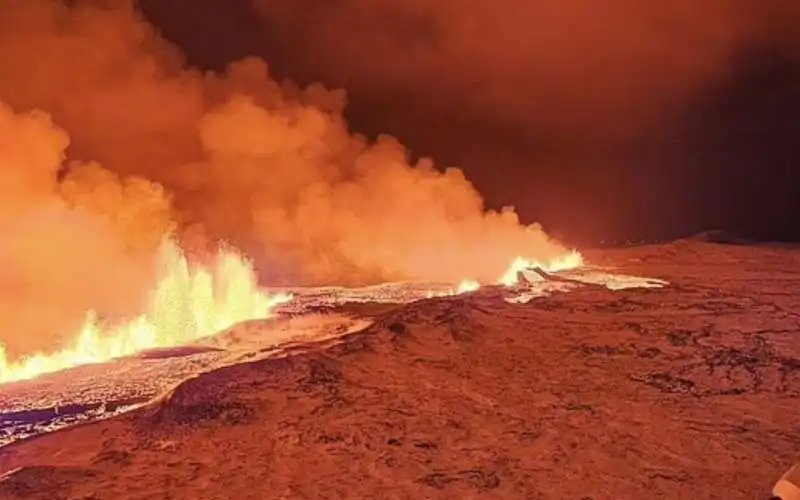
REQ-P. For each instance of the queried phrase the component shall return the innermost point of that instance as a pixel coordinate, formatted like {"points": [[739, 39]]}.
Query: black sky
{"points": [[645, 160]]}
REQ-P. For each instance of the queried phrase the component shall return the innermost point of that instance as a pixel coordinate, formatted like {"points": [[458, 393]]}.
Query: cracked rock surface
{"points": [[686, 391]]}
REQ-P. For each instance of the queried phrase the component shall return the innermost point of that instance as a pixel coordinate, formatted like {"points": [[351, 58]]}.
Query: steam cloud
{"points": [[69, 246], [107, 142]]}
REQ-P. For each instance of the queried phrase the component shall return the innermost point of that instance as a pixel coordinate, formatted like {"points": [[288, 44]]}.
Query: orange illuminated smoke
{"points": [[189, 303]]}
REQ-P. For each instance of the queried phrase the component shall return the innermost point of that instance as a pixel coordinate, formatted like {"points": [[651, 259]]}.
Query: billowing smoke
{"points": [[107, 142], [66, 247]]}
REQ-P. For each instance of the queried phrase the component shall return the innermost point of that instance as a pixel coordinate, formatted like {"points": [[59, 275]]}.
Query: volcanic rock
{"points": [[686, 391]]}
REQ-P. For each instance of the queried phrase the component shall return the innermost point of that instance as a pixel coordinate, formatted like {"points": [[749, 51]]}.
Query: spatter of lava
{"points": [[189, 303]]}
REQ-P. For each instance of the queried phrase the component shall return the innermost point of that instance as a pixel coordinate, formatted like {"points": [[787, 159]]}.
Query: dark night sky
{"points": [[591, 146]]}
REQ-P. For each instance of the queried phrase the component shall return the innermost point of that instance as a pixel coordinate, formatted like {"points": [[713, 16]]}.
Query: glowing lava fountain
{"points": [[189, 303], [571, 260]]}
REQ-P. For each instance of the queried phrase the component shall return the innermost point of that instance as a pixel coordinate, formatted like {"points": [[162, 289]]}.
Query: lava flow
{"points": [[192, 302], [564, 262], [571, 260], [189, 302]]}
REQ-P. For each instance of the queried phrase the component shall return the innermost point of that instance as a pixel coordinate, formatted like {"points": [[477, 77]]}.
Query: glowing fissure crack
{"points": [[571, 260], [517, 267], [535, 279], [189, 303]]}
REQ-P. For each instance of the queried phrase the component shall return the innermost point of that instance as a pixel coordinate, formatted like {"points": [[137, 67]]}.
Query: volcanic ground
{"points": [[587, 387]]}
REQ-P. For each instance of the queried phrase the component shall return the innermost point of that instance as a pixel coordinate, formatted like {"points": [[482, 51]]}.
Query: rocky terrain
{"points": [[97, 391], [686, 391]]}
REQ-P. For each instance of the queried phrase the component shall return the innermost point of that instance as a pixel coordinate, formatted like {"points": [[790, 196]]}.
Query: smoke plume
{"points": [[70, 246], [108, 142]]}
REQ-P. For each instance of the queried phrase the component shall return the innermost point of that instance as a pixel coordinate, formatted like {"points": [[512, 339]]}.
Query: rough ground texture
{"points": [[690, 391]]}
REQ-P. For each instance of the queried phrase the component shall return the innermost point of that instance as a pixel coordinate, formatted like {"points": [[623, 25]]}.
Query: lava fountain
{"points": [[567, 261], [571, 260], [189, 302]]}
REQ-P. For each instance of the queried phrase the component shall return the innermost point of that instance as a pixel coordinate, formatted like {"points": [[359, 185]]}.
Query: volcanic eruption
{"points": [[111, 147], [407, 342]]}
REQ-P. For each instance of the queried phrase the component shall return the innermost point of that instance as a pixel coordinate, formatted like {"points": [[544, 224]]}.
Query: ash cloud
{"points": [[108, 142]]}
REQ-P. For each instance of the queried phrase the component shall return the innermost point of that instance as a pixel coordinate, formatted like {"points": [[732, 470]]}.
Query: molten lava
{"points": [[571, 260], [467, 286], [189, 302], [192, 302]]}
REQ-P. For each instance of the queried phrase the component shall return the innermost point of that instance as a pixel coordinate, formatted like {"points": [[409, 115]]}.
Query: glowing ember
{"points": [[189, 303], [569, 261]]}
